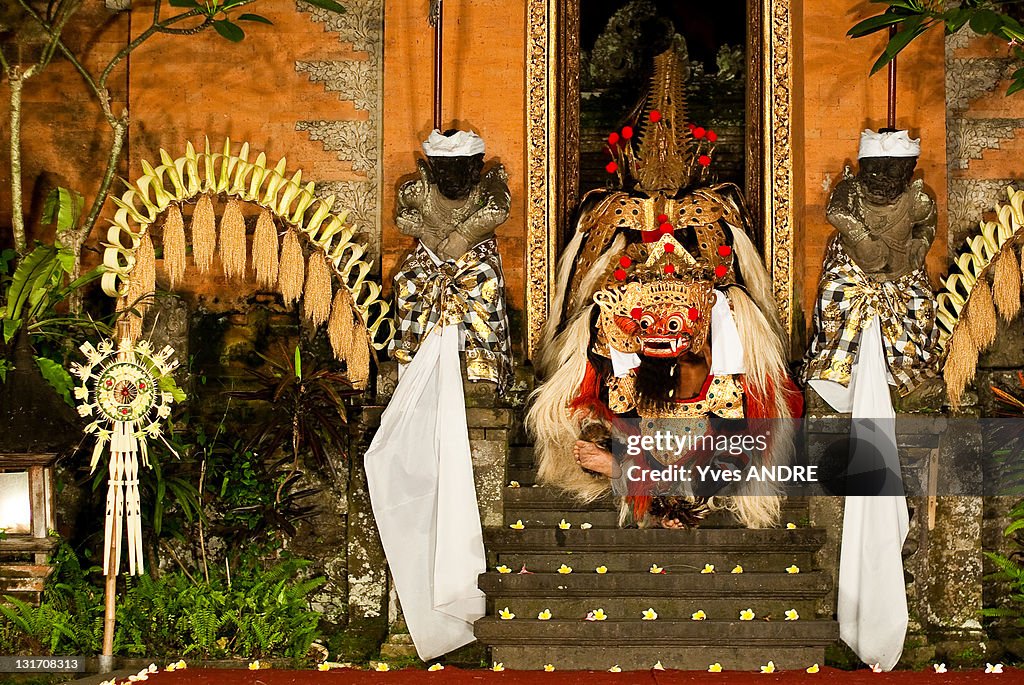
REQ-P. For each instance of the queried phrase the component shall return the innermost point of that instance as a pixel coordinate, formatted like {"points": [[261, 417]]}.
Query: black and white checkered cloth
{"points": [[848, 298], [469, 292]]}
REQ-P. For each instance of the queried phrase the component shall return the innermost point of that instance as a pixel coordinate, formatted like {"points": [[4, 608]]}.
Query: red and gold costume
{"points": [[658, 281]]}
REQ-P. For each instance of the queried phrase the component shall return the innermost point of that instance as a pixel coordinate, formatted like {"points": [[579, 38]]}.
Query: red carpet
{"points": [[827, 676]]}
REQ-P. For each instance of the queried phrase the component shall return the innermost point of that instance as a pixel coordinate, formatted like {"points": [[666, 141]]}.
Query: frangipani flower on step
{"points": [[513, 484], [180, 665], [549, 668], [563, 569], [564, 525], [544, 615], [715, 668], [440, 667], [698, 615], [381, 666], [650, 615], [791, 615], [658, 667], [993, 668], [498, 667], [939, 668], [656, 569], [503, 569], [254, 665], [506, 615], [813, 669], [586, 526], [768, 668], [597, 615], [708, 568], [876, 668], [518, 525], [791, 526], [601, 569], [615, 669], [747, 615], [737, 569], [793, 569]]}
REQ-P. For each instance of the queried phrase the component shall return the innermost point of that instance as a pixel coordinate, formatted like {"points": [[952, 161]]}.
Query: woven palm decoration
{"points": [[985, 283], [120, 390], [322, 254]]}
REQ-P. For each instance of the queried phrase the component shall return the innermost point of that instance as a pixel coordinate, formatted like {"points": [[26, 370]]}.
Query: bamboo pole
{"points": [[891, 120], [438, 48]]}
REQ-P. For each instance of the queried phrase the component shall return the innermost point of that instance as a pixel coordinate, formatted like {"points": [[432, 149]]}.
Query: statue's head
{"points": [[456, 160], [886, 164]]}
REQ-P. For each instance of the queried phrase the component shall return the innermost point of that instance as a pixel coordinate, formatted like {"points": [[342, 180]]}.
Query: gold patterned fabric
{"points": [[848, 298], [469, 293], [723, 398]]}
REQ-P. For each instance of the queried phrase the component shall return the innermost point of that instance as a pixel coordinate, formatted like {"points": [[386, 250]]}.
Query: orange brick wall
{"points": [[484, 91], [838, 100], [181, 88]]}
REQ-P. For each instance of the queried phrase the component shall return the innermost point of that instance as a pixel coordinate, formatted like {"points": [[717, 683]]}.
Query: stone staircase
{"points": [[568, 641]]}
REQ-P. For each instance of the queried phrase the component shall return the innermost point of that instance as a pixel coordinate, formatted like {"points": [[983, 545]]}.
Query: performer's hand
{"points": [[592, 458]]}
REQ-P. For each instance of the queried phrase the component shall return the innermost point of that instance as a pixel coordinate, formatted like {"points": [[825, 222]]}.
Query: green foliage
{"points": [[63, 208], [909, 19], [218, 14], [261, 611], [1011, 572]]}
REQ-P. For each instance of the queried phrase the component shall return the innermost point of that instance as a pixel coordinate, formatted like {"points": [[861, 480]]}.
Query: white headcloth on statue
{"points": [[890, 144], [459, 144]]}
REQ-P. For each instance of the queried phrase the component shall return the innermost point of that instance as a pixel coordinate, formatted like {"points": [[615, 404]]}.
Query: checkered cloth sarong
{"points": [[469, 292], [848, 298]]}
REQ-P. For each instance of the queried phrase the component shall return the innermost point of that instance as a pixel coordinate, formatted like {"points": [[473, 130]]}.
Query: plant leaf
{"points": [[911, 30], [985, 21], [875, 23], [229, 30], [328, 5], [63, 208], [58, 377], [182, 3], [255, 17]]}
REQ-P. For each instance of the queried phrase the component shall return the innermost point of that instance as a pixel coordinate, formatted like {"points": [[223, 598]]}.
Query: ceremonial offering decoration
{"points": [[120, 389]]}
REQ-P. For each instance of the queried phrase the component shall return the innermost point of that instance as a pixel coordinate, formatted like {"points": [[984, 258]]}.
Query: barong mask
{"points": [[661, 319]]}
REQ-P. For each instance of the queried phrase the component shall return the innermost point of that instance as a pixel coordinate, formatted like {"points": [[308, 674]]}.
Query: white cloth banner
{"points": [[872, 607], [726, 346], [420, 477]]}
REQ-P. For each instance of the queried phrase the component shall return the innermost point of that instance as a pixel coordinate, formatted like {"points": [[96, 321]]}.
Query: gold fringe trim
{"points": [[232, 240], [1006, 281], [174, 245], [204, 234], [316, 300], [264, 250], [981, 313], [141, 285], [340, 325], [961, 364], [359, 360], [292, 270]]}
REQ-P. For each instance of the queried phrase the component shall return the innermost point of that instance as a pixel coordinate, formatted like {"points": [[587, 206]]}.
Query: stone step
{"points": [[680, 551], [545, 498], [700, 540], [525, 475], [609, 518], [626, 595], [521, 455], [637, 645]]}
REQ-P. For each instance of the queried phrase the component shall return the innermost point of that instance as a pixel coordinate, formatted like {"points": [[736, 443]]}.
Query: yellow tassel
{"points": [[316, 300], [359, 360], [264, 250], [961, 363], [1006, 280], [174, 245], [204, 233], [982, 315], [292, 272], [340, 325], [232, 240], [141, 284]]}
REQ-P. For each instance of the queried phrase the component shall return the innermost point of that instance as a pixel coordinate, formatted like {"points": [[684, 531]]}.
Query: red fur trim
{"points": [[588, 399], [641, 505]]}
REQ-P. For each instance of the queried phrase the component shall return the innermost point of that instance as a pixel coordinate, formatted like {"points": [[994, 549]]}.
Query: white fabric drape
{"points": [[420, 477], [872, 606]]}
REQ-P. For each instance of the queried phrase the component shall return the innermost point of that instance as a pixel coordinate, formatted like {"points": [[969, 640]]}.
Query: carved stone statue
{"points": [[454, 275], [874, 265]]}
